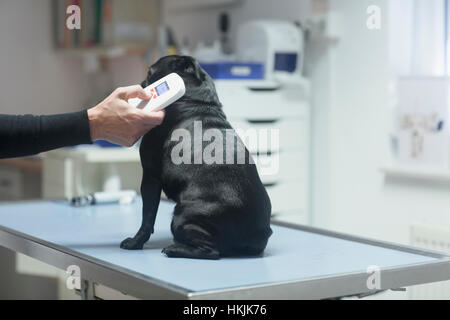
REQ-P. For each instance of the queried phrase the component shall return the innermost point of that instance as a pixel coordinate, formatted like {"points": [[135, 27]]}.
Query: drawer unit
{"points": [[259, 116], [284, 166], [290, 134], [287, 196], [241, 102], [294, 216]]}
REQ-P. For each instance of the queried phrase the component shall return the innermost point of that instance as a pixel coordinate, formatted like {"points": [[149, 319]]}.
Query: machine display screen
{"points": [[162, 88]]}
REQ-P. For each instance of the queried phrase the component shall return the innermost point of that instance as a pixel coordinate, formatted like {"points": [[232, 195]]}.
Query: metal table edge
{"points": [[136, 283], [334, 285], [369, 241], [92, 269]]}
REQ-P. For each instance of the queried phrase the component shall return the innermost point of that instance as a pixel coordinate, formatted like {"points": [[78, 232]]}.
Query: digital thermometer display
{"points": [[162, 88], [163, 92]]}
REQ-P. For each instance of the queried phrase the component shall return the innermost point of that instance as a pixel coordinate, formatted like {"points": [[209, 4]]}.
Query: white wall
{"points": [[359, 114], [34, 78], [318, 70], [361, 201], [418, 36]]}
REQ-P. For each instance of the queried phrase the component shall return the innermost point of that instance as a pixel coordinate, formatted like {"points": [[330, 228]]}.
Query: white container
{"points": [[278, 44]]}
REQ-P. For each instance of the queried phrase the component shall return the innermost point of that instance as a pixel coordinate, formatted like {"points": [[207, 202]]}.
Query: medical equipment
{"points": [[234, 70], [122, 197], [276, 44], [224, 28], [164, 92]]}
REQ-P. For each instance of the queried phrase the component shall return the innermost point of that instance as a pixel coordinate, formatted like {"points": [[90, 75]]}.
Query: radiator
{"points": [[432, 237]]}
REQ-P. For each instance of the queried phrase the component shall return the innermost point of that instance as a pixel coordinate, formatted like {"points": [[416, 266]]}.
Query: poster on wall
{"points": [[423, 121]]}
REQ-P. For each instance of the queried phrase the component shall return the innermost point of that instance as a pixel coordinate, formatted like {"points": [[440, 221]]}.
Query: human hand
{"points": [[115, 120]]}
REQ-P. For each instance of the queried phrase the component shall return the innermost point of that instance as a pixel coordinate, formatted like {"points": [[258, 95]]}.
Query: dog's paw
{"points": [[183, 251], [173, 251], [169, 250], [131, 244]]}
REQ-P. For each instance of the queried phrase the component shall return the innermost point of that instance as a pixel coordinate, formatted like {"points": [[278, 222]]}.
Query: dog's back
{"points": [[222, 207]]}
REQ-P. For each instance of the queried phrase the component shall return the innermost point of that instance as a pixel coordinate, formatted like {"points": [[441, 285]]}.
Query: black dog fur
{"points": [[221, 209]]}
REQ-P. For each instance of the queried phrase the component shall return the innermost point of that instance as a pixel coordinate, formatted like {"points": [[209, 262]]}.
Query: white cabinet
{"points": [[287, 110], [70, 172]]}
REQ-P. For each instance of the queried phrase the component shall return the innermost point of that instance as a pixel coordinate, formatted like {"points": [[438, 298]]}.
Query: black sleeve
{"points": [[22, 135]]}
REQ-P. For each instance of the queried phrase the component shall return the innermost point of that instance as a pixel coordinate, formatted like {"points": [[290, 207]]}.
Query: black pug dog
{"points": [[221, 209]]}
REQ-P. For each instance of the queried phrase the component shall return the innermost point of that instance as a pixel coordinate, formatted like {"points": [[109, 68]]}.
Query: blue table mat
{"points": [[291, 254]]}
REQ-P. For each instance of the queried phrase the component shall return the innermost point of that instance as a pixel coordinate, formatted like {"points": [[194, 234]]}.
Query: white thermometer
{"points": [[164, 92]]}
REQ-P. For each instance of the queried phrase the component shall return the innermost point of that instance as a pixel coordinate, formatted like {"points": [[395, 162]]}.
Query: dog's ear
{"points": [[189, 68], [193, 67]]}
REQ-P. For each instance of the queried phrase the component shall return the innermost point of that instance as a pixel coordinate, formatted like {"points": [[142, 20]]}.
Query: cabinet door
{"points": [[271, 136], [242, 103], [287, 197], [282, 167]]}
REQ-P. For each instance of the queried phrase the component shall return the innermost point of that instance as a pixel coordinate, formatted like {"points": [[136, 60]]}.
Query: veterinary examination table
{"points": [[299, 262]]}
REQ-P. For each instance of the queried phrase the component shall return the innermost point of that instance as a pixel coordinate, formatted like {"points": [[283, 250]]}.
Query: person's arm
{"points": [[22, 135], [113, 119]]}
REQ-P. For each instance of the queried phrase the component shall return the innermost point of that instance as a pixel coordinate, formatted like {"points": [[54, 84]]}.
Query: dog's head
{"points": [[199, 85]]}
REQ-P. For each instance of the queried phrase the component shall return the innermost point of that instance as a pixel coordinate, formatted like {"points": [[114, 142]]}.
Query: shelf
{"points": [[94, 154], [104, 51], [416, 173], [199, 4]]}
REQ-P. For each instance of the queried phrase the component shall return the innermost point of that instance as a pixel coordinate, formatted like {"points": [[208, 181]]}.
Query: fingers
{"points": [[130, 92], [142, 124], [115, 120], [154, 118]]}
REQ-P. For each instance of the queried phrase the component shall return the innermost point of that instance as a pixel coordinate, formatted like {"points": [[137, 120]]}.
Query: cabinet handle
{"points": [[263, 153], [269, 184], [265, 121], [263, 89]]}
